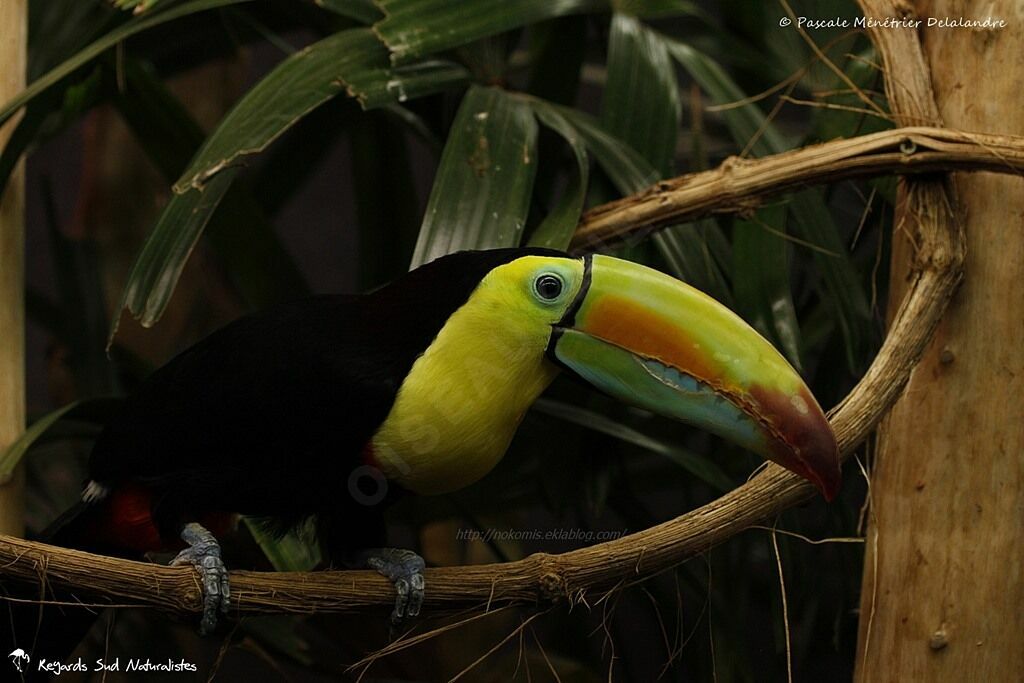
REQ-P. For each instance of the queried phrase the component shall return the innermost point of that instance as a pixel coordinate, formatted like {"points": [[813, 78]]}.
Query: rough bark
{"points": [[741, 185], [13, 27], [943, 585]]}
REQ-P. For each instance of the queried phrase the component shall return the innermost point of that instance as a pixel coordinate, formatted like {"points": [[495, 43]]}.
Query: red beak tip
{"points": [[829, 493], [829, 485]]}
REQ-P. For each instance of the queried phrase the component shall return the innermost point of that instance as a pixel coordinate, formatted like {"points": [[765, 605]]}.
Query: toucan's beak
{"points": [[656, 343]]}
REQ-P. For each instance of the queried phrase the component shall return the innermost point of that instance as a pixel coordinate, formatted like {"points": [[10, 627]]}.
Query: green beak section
{"points": [[654, 342]]}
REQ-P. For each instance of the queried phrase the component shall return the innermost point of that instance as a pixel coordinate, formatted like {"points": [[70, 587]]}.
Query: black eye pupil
{"points": [[548, 287]]}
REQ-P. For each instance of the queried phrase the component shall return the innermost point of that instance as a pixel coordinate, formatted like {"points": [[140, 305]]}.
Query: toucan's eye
{"points": [[548, 286]]}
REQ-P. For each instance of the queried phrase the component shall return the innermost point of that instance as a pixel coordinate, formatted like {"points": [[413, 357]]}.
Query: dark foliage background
{"points": [[347, 157]]}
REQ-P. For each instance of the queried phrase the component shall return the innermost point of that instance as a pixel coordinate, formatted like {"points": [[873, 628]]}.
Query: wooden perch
{"points": [[741, 185], [736, 186]]}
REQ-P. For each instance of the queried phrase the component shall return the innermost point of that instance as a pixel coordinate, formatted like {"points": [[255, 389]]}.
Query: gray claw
{"points": [[203, 553], [416, 596], [401, 600], [404, 569]]}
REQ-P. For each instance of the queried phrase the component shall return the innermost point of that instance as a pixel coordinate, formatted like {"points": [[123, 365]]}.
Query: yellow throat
{"points": [[458, 409]]}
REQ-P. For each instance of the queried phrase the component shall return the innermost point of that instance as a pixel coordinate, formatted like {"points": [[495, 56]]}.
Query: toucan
{"points": [[332, 407]]}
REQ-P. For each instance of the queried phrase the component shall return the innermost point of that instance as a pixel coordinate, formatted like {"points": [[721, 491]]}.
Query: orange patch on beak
{"points": [[626, 324]]}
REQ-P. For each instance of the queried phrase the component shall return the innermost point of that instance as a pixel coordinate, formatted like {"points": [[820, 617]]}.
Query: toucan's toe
{"points": [[203, 553], [404, 569]]}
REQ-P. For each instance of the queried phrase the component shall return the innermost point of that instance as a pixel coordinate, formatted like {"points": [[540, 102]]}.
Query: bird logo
{"points": [[20, 659]]}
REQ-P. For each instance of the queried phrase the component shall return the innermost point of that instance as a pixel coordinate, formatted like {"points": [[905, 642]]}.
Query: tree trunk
{"points": [[13, 37], [943, 589]]}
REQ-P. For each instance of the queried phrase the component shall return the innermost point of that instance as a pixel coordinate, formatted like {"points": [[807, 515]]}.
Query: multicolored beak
{"points": [[654, 342]]}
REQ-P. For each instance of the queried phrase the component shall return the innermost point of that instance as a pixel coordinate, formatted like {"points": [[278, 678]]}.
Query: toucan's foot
{"points": [[404, 569], [203, 553]]}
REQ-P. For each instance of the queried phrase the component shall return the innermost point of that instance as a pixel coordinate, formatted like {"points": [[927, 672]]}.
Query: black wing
{"points": [[273, 406], [269, 415]]}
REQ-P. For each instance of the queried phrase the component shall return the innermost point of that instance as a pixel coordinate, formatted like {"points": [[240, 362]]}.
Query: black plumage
{"points": [[269, 415]]}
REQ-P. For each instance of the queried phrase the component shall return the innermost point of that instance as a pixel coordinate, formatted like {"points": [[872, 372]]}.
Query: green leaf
{"points": [[352, 59], [657, 9], [90, 410], [136, 6], [288, 165], [630, 173], [256, 261], [118, 35], [744, 122], [699, 466], [363, 11], [57, 29], [626, 168], [844, 291], [687, 256], [641, 106], [556, 230], [294, 88], [481, 193], [761, 280], [700, 260], [830, 123], [386, 85], [487, 58], [415, 28], [811, 219], [289, 553], [157, 268], [641, 99]]}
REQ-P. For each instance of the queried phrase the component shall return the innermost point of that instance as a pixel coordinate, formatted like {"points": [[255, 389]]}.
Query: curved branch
{"points": [[587, 571], [742, 185]]}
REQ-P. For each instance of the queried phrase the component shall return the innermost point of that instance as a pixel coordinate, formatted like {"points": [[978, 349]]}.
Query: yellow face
{"points": [[459, 407], [526, 297]]}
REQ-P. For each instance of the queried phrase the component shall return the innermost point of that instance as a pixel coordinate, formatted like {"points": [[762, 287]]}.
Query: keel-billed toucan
{"points": [[333, 406]]}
